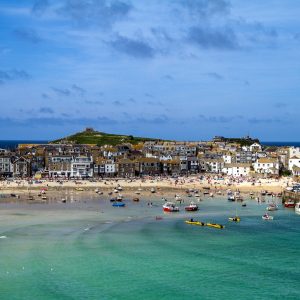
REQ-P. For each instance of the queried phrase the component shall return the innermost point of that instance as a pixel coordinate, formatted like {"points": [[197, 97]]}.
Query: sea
{"points": [[87, 249], [12, 144]]}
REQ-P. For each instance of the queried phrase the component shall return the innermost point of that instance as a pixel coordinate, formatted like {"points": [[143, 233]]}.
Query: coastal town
{"points": [[235, 158]]}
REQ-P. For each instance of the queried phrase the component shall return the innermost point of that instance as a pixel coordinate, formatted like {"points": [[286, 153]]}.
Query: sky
{"points": [[174, 69]]}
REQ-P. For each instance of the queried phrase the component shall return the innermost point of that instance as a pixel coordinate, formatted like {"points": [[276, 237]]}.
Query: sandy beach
{"points": [[144, 187]]}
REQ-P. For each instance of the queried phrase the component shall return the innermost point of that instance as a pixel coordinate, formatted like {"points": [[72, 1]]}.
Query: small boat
{"points": [[234, 219], [272, 207], [191, 207], [44, 197], [244, 204], [267, 217], [158, 218], [119, 188], [297, 208], [189, 195], [63, 200], [178, 198], [116, 191], [96, 191], [113, 200], [164, 199], [230, 197], [289, 204], [192, 222], [197, 196], [214, 225], [170, 207], [120, 198], [136, 199], [211, 195], [110, 193], [137, 192], [152, 190], [78, 190], [251, 194], [118, 204]]}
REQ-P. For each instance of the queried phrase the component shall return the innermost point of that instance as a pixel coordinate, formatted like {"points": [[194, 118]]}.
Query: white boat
{"points": [[297, 208], [178, 198], [170, 207], [152, 190], [272, 207], [267, 217]]}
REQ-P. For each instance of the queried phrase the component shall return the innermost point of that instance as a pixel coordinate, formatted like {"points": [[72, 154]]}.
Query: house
{"points": [[21, 167], [193, 164], [59, 166], [99, 166], [171, 167], [82, 167], [296, 171], [212, 165], [127, 168], [245, 157], [267, 165], [149, 166], [236, 169], [6, 168], [110, 168], [294, 161], [255, 147]]}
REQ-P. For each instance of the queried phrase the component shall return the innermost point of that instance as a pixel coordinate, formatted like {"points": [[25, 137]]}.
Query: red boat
{"points": [[192, 207], [170, 207], [289, 204]]}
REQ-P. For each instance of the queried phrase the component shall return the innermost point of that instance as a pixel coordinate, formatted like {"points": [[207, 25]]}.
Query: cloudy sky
{"points": [[177, 69]]}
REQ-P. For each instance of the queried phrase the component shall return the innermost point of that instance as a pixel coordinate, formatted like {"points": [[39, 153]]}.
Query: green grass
{"points": [[101, 138]]}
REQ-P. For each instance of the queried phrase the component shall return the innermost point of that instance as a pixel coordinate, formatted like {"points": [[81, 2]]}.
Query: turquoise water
{"points": [[93, 251]]}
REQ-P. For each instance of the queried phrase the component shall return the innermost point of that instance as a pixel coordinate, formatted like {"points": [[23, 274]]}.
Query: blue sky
{"points": [[173, 69]]}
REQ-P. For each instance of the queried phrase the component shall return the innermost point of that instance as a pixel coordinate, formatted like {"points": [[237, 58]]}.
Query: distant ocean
{"points": [[13, 144]]}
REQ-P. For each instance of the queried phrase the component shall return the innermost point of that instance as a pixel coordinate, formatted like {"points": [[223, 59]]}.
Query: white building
{"points": [[294, 163], [255, 147], [267, 166], [236, 169], [110, 168], [227, 158], [82, 166]]}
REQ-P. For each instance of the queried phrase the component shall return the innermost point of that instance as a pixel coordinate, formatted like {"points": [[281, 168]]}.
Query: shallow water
{"points": [[94, 251]]}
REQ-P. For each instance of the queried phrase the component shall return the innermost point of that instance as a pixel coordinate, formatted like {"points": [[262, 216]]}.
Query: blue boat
{"points": [[118, 204]]}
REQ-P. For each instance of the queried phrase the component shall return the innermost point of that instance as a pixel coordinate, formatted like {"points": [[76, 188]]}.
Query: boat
{"points": [[234, 219], [164, 199], [272, 207], [137, 192], [267, 217], [118, 204], [113, 200], [178, 198], [152, 190], [211, 195], [297, 208], [44, 197], [244, 204], [136, 199], [192, 207], [119, 188], [96, 191], [120, 198], [197, 196], [230, 197], [289, 204], [116, 191], [170, 207], [192, 222], [78, 190], [214, 225]]}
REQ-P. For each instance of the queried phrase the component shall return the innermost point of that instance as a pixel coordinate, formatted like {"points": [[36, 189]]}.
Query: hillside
{"points": [[90, 136]]}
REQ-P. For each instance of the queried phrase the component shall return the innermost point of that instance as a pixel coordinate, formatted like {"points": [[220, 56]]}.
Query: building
{"points": [[127, 168], [6, 168], [21, 167], [237, 169], [268, 166], [82, 167], [60, 166]]}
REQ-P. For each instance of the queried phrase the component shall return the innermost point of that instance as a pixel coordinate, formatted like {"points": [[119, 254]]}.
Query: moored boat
{"points": [[170, 207], [192, 222], [214, 225], [136, 199], [289, 203], [118, 204], [272, 207], [297, 208], [267, 217], [234, 219], [192, 207]]}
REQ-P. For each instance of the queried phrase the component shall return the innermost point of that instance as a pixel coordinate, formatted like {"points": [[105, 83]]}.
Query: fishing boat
{"points": [[192, 207], [192, 222], [289, 203], [118, 204], [267, 217], [297, 208], [136, 199], [234, 219], [170, 207], [272, 207], [214, 225], [230, 197]]}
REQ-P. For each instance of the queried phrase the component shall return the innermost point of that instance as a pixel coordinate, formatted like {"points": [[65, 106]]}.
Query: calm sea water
{"points": [[93, 251], [12, 144]]}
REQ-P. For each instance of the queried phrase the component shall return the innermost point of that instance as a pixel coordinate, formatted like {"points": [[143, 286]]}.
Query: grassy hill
{"points": [[90, 136]]}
